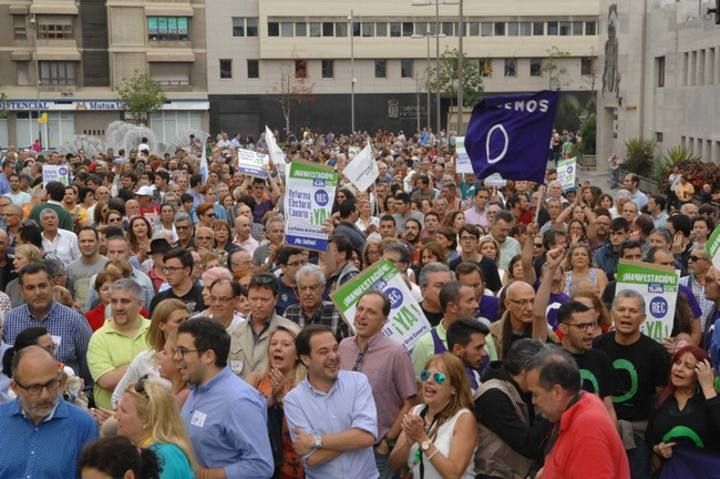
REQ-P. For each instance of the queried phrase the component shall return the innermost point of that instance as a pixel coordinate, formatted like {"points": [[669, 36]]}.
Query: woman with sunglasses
{"points": [[284, 372], [205, 214], [438, 437], [149, 417], [166, 318], [687, 411]]}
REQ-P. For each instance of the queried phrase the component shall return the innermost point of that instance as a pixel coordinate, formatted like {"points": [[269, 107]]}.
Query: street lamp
{"points": [[352, 73], [461, 70], [428, 35], [427, 3]]}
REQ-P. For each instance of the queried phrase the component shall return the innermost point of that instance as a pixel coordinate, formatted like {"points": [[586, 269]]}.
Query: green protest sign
{"points": [[406, 322], [658, 286]]}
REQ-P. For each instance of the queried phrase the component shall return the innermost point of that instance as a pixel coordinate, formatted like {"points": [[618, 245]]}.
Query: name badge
{"points": [[236, 365], [198, 419], [57, 340]]}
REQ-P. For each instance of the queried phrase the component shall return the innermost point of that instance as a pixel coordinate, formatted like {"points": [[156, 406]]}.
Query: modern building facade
{"points": [[660, 64], [261, 50], [63, 60]]}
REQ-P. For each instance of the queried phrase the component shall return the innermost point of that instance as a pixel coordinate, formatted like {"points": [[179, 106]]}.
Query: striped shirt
{"points": [[326, 315]]}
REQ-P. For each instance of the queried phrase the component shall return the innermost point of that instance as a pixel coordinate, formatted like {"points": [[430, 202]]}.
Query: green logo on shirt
{"points": [[624, 364], [586, 374]]}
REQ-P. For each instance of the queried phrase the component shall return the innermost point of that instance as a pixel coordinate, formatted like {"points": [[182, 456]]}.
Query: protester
{"points": [[117, 457]]}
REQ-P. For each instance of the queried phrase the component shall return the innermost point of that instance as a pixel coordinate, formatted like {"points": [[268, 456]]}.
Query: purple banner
{"points": [[510, 135]]}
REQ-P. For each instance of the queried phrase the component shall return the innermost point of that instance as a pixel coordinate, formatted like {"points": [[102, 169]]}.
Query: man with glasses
{"points": [[290, 260], [69, 329], [204, 239], [388, 368], [698, 265], [113, 347], [249, 346], [226, 419], [578, 323], [184, 228], [178, 266], [311, 309], [41, 433], [331, 415], [222, 303]]}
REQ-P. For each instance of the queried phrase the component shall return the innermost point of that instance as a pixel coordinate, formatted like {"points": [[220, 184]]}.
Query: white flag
{"points": [[276, 154], [362, 171]]}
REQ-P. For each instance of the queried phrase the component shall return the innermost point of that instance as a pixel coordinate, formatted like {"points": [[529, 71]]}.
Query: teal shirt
{"points": [[173, 461]]}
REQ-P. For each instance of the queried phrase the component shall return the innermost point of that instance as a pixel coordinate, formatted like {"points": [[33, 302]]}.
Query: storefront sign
{"points": [[96, 105], [406, 322], [658, 286], [310, 192]]}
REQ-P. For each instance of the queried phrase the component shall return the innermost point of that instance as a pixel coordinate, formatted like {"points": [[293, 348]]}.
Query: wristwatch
{"points": [[317, 441], [390, 442], [425, 445]]}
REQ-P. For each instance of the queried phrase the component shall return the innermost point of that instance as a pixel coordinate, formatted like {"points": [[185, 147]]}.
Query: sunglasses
{"points": [[438, 377]]}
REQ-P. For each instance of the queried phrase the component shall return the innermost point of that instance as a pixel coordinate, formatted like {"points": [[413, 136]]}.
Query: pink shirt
{"points": [[390, 372]]}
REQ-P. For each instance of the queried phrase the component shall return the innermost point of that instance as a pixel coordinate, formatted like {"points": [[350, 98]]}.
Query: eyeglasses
{"points": [[114, 220], [180, 227], [538, 245], [182, 352], [36, 389], [697, 258], [584, 326], [210, 215], [172, 269], [140, 386], [204, 238], [297, 263], [262, 279], [438, 377]]}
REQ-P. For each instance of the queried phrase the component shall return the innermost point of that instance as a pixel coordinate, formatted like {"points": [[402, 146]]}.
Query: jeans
{"points": [[639, 459], [381, 462], [614, 177]]}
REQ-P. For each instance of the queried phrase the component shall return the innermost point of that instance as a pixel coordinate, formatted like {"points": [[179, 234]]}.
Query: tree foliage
{"points": [[291, 91], [447, 84], [141, 95], [552, 66]]}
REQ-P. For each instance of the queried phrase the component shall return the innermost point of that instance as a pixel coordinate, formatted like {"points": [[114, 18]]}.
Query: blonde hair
{"points": [[33, 253], [155, 337], [157, 409], [489, 239], [458, 380], [300, 371]]}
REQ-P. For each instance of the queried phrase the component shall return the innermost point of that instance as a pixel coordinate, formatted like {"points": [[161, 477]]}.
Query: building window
{"points": [[406, 68], [23, 73], [485, 67], [170, 73], [367, 29], [328, 68], [300, 69], [486, 29], [660, 71], [238, 24], [538, 28], [565, 29], [519, 29], [300, 29], [474, 29], [167, 28], [273, 29], [448, 28], [408, 28], [328, 29], [395, 29], [536, 67], [245, 27], [577, 28], [251, 27], [659, 136], [381, 29], [587, 66], [513, 29], [341, 29], [57, 73], [380, 68], [315, 29], [225, 69], [20, 27], [421, 28], [287, 29], [55, 31], [510, 67], [253, 69], [552, 28], [499, 29], [590, 28]]}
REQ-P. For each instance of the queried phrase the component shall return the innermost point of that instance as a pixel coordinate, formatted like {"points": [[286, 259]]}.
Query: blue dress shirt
{"points": [[48, 450], [226, 420], [347, 405]]}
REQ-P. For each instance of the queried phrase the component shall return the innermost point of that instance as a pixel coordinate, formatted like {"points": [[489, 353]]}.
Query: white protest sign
{"points": [[309, 196], [462, 162], [495, 180], [362, 171], [253, 163], [406, 321], [658, 286], [567, 173], [59, 173], [277, 156]]}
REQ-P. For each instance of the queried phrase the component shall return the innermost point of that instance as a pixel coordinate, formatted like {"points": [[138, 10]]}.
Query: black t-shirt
{"points": [[193, 299], [596, 371], [700, 416], [489, 271], [434, 318], [639, 369]]}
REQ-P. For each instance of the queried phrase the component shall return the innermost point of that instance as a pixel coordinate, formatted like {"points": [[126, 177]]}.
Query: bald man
{"points": [[39, 420]]}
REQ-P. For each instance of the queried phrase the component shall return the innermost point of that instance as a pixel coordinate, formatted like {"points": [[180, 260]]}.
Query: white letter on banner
{"points": [[487, 143]]}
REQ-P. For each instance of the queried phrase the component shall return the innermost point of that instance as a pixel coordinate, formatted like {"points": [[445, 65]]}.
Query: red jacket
{"points": [[588, 446], [96, 316]]}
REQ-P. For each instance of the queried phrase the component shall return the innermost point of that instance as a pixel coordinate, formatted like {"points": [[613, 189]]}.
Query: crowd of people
{"points": [[156, 325]]}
